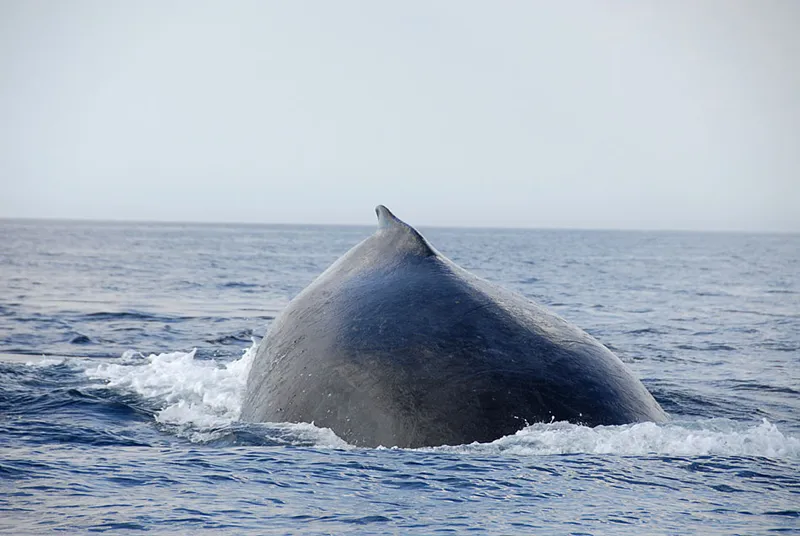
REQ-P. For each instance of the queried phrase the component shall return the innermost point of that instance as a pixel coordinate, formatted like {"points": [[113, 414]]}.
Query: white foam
{"points": [[689, 438], [45, 361], [305, 434], [200, 400], [195, 395]]}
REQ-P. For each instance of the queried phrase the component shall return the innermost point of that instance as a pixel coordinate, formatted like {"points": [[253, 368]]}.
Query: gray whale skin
{"points": [[396, 345]]}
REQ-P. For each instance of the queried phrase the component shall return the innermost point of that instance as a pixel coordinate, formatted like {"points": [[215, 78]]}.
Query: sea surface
{"points": [[124, 349]]}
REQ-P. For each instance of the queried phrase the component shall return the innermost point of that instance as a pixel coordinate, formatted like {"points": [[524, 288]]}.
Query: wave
{"points": [[240, 336], [240, 284], [707, 437], [105, 316], [200, 400]]}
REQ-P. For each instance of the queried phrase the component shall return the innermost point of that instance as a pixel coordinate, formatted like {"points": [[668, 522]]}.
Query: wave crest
{"points": [[705, 437]]}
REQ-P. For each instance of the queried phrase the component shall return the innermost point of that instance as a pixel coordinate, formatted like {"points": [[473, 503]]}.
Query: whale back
{"points": [[396, 345]]}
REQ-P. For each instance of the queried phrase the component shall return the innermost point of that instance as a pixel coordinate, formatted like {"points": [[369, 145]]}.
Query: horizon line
{"points": [[363, 225]]}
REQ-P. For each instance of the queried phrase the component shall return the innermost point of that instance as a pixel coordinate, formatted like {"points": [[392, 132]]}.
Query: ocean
{"points": [[124, 349]]}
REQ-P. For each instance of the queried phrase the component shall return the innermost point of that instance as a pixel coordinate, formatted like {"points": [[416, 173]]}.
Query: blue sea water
{"points": [[124, 349]]}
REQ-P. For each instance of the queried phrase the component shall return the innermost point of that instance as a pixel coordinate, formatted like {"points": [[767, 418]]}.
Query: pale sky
{"points": [[578, 114]]}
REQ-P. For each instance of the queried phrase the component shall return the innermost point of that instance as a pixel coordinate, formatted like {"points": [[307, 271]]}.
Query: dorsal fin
{"points": [[386, 218], [411, 239]]}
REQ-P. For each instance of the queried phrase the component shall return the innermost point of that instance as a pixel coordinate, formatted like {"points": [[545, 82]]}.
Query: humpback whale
{"points": [[396, 345]]}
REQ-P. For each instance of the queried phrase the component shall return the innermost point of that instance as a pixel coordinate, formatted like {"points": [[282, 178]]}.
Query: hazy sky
{"points": [[637, 114]]}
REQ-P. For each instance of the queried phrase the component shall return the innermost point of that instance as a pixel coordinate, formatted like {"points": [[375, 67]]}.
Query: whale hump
{"points": [[396, 345], [403, 236]]}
